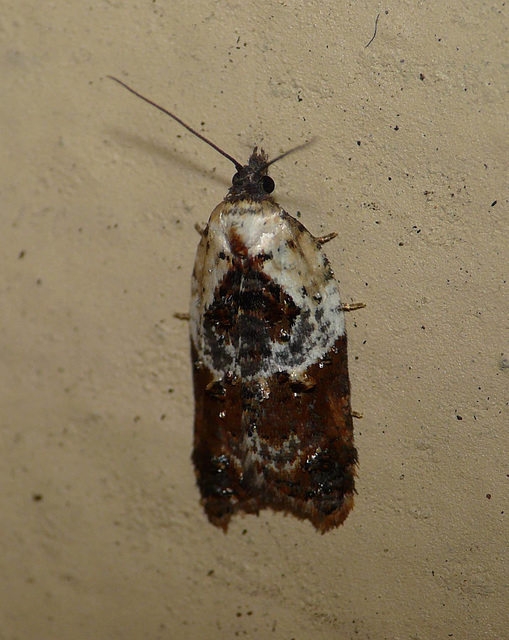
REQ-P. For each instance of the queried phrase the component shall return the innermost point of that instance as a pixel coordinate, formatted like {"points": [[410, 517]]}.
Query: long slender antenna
{"points": [[287, 153], [237, 164]]}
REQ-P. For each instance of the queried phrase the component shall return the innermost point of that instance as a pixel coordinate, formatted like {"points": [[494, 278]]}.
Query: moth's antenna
{"points": [[286, 153], [237, 164]]}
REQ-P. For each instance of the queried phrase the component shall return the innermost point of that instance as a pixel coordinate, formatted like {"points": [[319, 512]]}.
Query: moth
{"points": [[273, 421]]}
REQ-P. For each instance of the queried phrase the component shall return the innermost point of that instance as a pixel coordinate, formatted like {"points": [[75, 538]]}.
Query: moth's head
{"points": [[252, 180]]}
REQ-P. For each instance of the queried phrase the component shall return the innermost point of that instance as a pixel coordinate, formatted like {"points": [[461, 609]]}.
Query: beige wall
{"points": [[102, 535]]}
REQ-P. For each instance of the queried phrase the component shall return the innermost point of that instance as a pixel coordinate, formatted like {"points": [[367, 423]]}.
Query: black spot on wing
{"points": [[249, 313]]}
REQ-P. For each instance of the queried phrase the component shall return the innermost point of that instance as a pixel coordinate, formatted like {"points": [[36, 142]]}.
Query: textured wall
{"points": [[102, 533]]}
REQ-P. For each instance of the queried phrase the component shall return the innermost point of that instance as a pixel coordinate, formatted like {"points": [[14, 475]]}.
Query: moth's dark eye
{"points": [[268, 184], [236, 178]]}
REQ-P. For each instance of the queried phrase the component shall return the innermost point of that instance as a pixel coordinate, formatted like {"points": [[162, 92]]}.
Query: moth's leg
{"points": [[353, 307], [327, 238]]}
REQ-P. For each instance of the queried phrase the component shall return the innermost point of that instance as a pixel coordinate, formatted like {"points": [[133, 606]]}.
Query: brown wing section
{"points": [[287, 446], [218, 433]]}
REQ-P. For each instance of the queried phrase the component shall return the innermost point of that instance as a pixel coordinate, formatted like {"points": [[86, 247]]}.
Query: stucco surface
{"points": [[102, 535]]}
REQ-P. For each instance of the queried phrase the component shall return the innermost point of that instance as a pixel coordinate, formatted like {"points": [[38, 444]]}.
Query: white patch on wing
{"points": [[295, 262], [257, 455]]}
